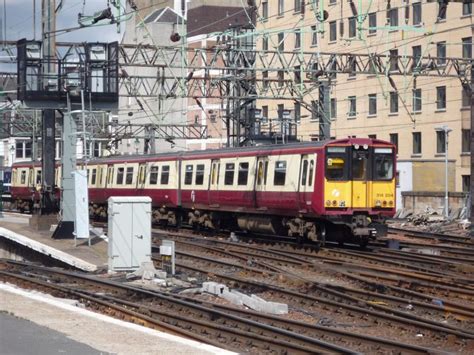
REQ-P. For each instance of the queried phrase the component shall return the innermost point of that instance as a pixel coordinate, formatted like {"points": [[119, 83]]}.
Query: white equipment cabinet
{"points": [[129, 227]]}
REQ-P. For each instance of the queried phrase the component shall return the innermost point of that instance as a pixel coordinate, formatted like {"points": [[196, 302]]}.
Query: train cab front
{"points": [[359, 189]]}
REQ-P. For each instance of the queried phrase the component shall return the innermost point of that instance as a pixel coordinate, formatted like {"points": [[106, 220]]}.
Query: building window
{"points": [[352, 106], [314, 36], [298, 6], [466, 183], [416, 50], [394, 140], [372, 23], [416, 142], [352, 27], [265, 79], [440, 142], [417, 14], [281, 78], [441, 97], [333, 108], [297, 38], [417, 101], [441, 53], [264, 113], [393, 59], [372, 136], [23, 149], [466, 98], [297, 109], [332, 31], [467, 47], [467, 7], [393, 102], [392, 16], [281, 41], [442, 10], [314, 110], [265, 10], [466, 141], [298, 74], [265, 43], [372, 104], [280, 109], [281, 7]]}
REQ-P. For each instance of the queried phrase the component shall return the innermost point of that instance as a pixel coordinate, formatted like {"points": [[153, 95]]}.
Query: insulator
{"points": [[175, 37]]}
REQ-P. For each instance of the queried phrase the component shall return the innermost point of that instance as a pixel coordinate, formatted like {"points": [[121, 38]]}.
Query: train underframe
{"points": [[357, 229]]}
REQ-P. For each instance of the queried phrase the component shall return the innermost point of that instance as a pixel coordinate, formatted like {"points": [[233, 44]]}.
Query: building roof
{"points": [[166, 15]]}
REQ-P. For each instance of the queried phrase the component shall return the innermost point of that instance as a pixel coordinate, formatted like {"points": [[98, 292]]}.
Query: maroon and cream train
{"points": [[339, 190]]}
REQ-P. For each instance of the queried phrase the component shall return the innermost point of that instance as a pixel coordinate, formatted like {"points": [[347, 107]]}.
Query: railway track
{"points": [[220, 325]]}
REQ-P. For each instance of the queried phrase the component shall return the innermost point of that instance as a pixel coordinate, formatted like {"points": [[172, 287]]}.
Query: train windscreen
{"points": [[336, 163], [383, 164]]}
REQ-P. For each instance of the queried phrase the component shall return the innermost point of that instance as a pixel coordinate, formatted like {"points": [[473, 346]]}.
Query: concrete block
{"points": [[232, 298], [275, 308], [42, 222], [214, 288]]}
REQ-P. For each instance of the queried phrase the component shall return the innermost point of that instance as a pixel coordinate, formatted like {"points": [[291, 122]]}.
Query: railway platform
{"points": [[18, 240]]}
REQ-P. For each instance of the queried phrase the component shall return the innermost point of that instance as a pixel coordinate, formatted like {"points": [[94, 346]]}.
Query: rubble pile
{"points": [[430, 220]]}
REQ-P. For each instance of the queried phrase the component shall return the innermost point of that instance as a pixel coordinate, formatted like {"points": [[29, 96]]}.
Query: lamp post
{"points": [[446, 131]]}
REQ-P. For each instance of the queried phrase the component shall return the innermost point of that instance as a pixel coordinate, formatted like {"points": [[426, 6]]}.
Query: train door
{"points": [[261, 182], [141, 179], [360, 172], [214, 182], [306, 185]]}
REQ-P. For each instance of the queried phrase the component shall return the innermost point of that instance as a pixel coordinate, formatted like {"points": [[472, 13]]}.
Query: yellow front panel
{"points": [[359, 194], [339, 191], [382, 194]]}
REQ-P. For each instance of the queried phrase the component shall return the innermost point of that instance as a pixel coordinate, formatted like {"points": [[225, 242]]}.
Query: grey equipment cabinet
{"points": [[129, 227]]}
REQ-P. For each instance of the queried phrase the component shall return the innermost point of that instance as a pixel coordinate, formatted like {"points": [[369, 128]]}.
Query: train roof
{"points": [[290, 147]]}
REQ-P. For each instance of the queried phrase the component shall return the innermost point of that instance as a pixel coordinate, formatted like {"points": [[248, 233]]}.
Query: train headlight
{"points": [[328, 203], [378, 203], [334, 203], [384, 203]]}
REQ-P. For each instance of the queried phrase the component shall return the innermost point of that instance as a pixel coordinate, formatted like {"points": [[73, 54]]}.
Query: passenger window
{"points": [[120, 173], [311, 173], [93, 177], [30, 177], [165, 174], [304, 173], [199, 174], [154, 175], [229, 174], [99, 175], [23, 177], [243, 174], [260, 173], [129, 177], [280, 173], [188, 176]]}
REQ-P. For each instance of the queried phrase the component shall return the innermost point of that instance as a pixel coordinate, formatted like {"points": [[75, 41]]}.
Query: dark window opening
{"points": [[199, 174], [280, 173], [383, 164], [243, 174], [120, 174], [129, 177], [165, 174], [336, 163], [229, 174], [188, 175]]}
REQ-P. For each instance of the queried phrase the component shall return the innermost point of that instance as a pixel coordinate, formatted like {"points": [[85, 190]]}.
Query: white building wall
{"points": [[405, 170]]}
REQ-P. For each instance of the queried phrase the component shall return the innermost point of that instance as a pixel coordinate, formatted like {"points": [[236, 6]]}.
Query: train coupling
{"points": [[366, 232]]}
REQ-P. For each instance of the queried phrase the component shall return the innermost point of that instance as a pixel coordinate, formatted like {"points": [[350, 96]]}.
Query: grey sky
{"points": [[20, 20]]}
